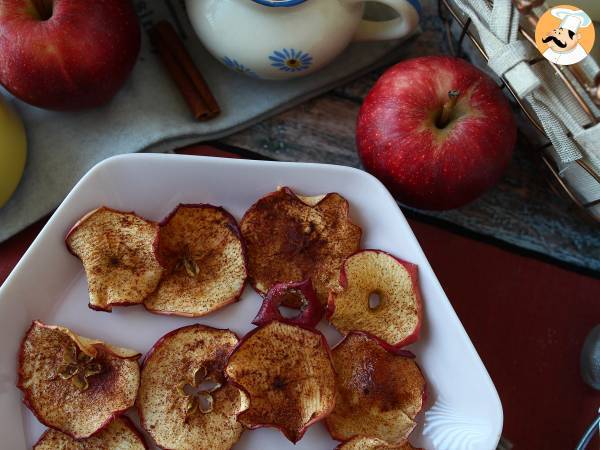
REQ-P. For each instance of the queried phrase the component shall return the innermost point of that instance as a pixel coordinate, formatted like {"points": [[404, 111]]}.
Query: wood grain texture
{"points": [[521, 209]]}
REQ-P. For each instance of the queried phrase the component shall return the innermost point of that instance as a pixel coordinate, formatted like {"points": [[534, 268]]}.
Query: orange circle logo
{"points": [[565, 35]]}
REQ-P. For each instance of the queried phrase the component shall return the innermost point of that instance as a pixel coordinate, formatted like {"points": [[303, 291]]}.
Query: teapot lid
{"points": [[277, 3]]}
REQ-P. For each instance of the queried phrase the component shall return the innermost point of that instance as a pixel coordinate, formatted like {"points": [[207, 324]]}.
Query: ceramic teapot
{"points": [[281, 39]]}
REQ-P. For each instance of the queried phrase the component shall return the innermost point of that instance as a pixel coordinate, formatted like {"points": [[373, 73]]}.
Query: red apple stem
{"points": [[43, 8], [448, 108]]}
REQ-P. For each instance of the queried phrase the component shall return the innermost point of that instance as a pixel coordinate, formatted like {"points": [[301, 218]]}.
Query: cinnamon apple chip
{"points": [[205, 261], [378, 294], [292, 238], [365, 443], [287, 374], [74, 384], [379, 393], [185, 402], [120, 434], [118, 254]]}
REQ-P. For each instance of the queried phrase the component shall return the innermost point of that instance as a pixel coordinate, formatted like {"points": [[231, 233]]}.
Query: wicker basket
{"points": [[578, 180]]}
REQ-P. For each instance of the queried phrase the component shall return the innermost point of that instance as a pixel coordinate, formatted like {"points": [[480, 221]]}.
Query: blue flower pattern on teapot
{"points": [[291, 60], [237, 67]]}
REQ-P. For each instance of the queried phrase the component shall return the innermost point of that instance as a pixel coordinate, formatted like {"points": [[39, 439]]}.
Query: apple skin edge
{"points": [[423, 165], [27, 402], [308, 317], [78, 58], [412, 269], [300, 435]]}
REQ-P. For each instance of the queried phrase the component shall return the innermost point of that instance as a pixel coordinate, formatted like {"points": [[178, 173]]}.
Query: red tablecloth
{"points": [[527, 319]]}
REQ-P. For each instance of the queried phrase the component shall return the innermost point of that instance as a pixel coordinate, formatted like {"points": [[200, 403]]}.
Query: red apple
{"points": [[67, 54], [436, 131]]}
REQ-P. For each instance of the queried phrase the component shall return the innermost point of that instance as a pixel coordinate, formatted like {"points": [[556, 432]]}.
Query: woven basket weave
{"points": [[559, 102]]}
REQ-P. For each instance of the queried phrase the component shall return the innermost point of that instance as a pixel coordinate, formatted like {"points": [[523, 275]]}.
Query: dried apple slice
{"points": [[395, 317], [205, 261], [293, 238], [287, 374], [120, 434], [366, 443], [379, 393], [184, 400], [74, 384], [119, 256], [310, 312]]}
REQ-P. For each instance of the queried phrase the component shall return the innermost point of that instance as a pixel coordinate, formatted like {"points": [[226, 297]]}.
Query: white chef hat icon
{"points": [[571, 19]]}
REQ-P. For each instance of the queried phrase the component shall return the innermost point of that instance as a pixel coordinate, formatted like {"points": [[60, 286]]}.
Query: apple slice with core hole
{"points": [[74, 384], [310, 311], [118, 251], [185, 401], [293, 238], [120, 434], [378, 294], [379, 393], [287, 374], [205, 260], [365, 443]]}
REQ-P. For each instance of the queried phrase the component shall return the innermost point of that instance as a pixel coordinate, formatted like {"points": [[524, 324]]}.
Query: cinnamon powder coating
{"points": [[287, 373], [56, 402], [118, 252], [289, 238], [172, 362], [379, 393], [204, 259]]}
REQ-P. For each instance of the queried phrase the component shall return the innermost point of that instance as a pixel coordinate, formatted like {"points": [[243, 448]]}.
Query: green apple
{"points": [[13, 151]]}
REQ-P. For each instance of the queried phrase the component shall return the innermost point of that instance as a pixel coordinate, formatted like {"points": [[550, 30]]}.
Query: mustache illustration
{"points": [[556, 41]]}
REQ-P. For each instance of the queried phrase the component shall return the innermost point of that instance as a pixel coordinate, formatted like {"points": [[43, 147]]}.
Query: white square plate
{"points": [[463, 411]]}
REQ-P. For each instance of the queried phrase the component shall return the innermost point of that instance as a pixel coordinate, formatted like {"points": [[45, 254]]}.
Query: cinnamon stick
{"points": [[183, 71]]}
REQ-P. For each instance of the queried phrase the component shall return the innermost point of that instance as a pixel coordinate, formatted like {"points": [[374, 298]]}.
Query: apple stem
{"points": [[448, 108], [43, 8]]}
